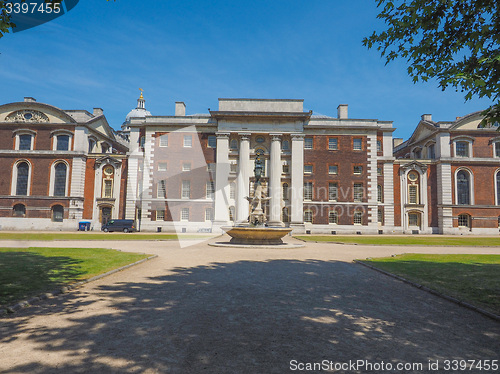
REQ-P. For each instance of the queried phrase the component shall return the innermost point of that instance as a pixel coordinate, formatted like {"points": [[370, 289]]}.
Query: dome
{"points": [[139, 112]]}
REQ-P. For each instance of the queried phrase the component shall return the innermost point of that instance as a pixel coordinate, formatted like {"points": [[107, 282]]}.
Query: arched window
{"points": [[463, 188], [498, 187], [286, 217], [60, 173], [57, 213], [285, 191], [19, 210], [233, 144], [23, 171]]}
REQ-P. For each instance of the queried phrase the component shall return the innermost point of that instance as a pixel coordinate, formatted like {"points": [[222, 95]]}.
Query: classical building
{"points": [[322, 174], [58, 167], [448, 177], [194, 173]]}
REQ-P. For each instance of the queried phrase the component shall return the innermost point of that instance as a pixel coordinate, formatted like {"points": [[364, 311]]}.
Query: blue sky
{"points": [[100, 53]]}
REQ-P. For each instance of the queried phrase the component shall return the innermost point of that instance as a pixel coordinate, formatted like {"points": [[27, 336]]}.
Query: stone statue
{"points": [[257, 216]]}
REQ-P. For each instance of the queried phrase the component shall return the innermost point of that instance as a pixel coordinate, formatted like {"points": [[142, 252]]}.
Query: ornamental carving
{"points": [[29, 116]]}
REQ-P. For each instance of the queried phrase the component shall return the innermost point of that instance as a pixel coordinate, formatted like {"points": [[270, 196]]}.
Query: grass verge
{"points": [[94, 236], [474, 241], [27, 272], [471, 278]]}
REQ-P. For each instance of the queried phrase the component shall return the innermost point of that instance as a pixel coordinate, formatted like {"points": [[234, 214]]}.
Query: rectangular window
{"points": [[108, 188], [333, 144], [186, 189], [186, 166], [380, 216], [497, 149], [62, 143], [357, 144], [308, 143], [286, 169], [185, 214], [211, 167], [379, 171], [333, 191], [357, 170], [379, 193], [379, 146], [358, 192], [209, 214], [233, 167], [164, 140], [162, 166], [162, 189], [431, 152], [358, 218], [308, 191], [308, 216], [413, 219], [25, 142], [333, 169], [333, 217], [160, 215], [308, 169], [212, 141], [210, 190], [463, 220], [413, 194], [462, 149], [188, 141]]}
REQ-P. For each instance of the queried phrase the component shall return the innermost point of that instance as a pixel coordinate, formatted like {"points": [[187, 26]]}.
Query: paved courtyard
{"points": [[203, 309]]}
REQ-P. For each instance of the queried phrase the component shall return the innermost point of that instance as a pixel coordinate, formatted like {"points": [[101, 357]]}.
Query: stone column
{"points": [[244, 166], [275, 181], [297, 177], [221, 216]]}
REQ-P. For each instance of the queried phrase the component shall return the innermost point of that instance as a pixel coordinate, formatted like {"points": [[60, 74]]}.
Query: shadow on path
{"points": [[255, 317]]}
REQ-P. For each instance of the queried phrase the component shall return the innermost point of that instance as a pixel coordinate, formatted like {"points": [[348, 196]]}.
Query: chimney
{"points": [[29, 100], [98, 112], [426, 117], [180, 109], [342, 111], [396, 142]]}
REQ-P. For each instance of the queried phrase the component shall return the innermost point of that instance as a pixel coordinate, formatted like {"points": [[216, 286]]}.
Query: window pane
{"points": [[462, 149], [185, 214], [186, 189], [285, 191], [212, 141], [188, 141], [25, 142], [160, 215], [358, 192], [464, 220], [285, 145], [413, 194], [233, 144], [358, 218], [463, 188], [308, 143], [308, 217], [209, 215], [333, 217], [162, 189], [332, 191], [57, 213], [357, 144], [308, 169], [308, 191], [358, 170], [22, 179], [210, 190], [413, 219], [108, 188], [62, 142], [379, 193], [60, 179], [497, 149], [164, 140], [333, 169], [332, 143], [379, 146]]}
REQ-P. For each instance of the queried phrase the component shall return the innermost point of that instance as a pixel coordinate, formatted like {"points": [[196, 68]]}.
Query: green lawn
{"points": [[27, 272], [471, 278], [405, 240], [95, 236]]}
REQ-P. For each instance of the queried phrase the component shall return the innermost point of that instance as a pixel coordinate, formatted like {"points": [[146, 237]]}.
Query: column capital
{"points": [[222, 135], [275, 136], [244, 135], [297, 136]]}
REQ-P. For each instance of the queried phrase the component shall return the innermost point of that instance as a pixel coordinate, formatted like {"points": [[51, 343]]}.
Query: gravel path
{"points": [[203, 309]]}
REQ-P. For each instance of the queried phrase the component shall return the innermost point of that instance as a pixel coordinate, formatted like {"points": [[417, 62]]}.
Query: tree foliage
{"points": [[454, 41]]}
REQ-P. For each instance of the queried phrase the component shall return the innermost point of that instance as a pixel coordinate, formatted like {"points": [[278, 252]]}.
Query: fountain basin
{"points": [[256, 235]]}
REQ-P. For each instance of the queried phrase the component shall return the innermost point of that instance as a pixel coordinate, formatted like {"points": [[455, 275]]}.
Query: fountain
{"points": [[256, 232]]}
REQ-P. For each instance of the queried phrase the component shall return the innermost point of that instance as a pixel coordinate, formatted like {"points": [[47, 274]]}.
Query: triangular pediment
{"points": [[424, 130]]}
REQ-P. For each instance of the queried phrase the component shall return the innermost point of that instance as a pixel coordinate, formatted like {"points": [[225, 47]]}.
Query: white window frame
{"points": [[357, 170], [308, 143], [306, 189], [160, 216], [357, 215], [162, 166], [471, 186], [336, 215], [330, 144], [495, 154], [55, 138], [308, 213], [355, 147], [210, 190], [186, 166], [336, 186], [163, 142], [308, 169], [330, 169], [103, 192], [183, 213], [462, 139], [209, 214], [53, 177], [13, 186], [187, 141], [17, 139], [161, 189], [496, 177], [186, 187]]}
